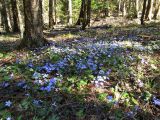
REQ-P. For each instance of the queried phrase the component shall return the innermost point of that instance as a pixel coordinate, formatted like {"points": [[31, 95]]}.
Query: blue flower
{"points": [[47, 67], [136, 107], [48, 88], [50, 85], [109, 98], [30, 64], [130, 114], [8, 103], [52, 81], [36, 75], [4, 84], [18, 61], [156, 101], [81, 66], [37, 102], [21, 83], [108, 72]]}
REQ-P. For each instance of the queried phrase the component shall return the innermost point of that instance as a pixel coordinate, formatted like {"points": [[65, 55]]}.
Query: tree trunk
{"points": [[15, 16], [4, 16], [51, 19], [157, 7], [119, 7], [84, 19], [137, 8], [124, 9], [80, 15], [33, 33], [21, 18], [88, 12], [9, 15], [69, 12], [148, 9], [143, 12]]}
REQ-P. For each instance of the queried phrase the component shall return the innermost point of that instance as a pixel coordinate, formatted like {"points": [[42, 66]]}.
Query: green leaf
{"points": [[6, 78], [102, 96], [134, 101]]}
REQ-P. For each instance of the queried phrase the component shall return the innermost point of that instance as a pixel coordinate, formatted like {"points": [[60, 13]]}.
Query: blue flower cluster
{"points": [[50, 85]]}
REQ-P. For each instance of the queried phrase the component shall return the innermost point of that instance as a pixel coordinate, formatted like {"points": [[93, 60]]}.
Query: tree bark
{"points": [[21, 17], [33, 33], [124, 9], [143, 12], [148, 9], [137, 8], [85, 13], [69, 12], [119, 7], [157, 7], [15, 16], [88, 12], [4, 16], [79, 21], [51, 19]]}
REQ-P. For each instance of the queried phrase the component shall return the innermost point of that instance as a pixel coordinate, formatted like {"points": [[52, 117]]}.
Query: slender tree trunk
{"points": [[148, 9], [124, 9], [51, 19], [157, 8], [21, 18], [151, 11], [55, 11], [70, 12], [119, 7], [137, 8], [80, 14], [33, 34], [84, 14], [9, 15], [4, 16], [88, 13], [143, 12], [15, 16]]}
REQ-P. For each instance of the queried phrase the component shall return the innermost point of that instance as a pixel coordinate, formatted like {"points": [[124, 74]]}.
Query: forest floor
{"points": [[101, 73]]}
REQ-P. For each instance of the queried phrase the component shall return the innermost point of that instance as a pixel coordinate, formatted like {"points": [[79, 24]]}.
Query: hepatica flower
{"points": [[156, 101], [4, 84], [8, 103], [45, 75], [30, 64], [37, 102], [108, 72], [50, 86], [130, 114], [21, 83], [36, 75], [109, 98], [81, 66]]}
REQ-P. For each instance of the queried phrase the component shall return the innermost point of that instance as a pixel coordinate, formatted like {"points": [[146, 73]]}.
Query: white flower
{"points": [[8, 118]]}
